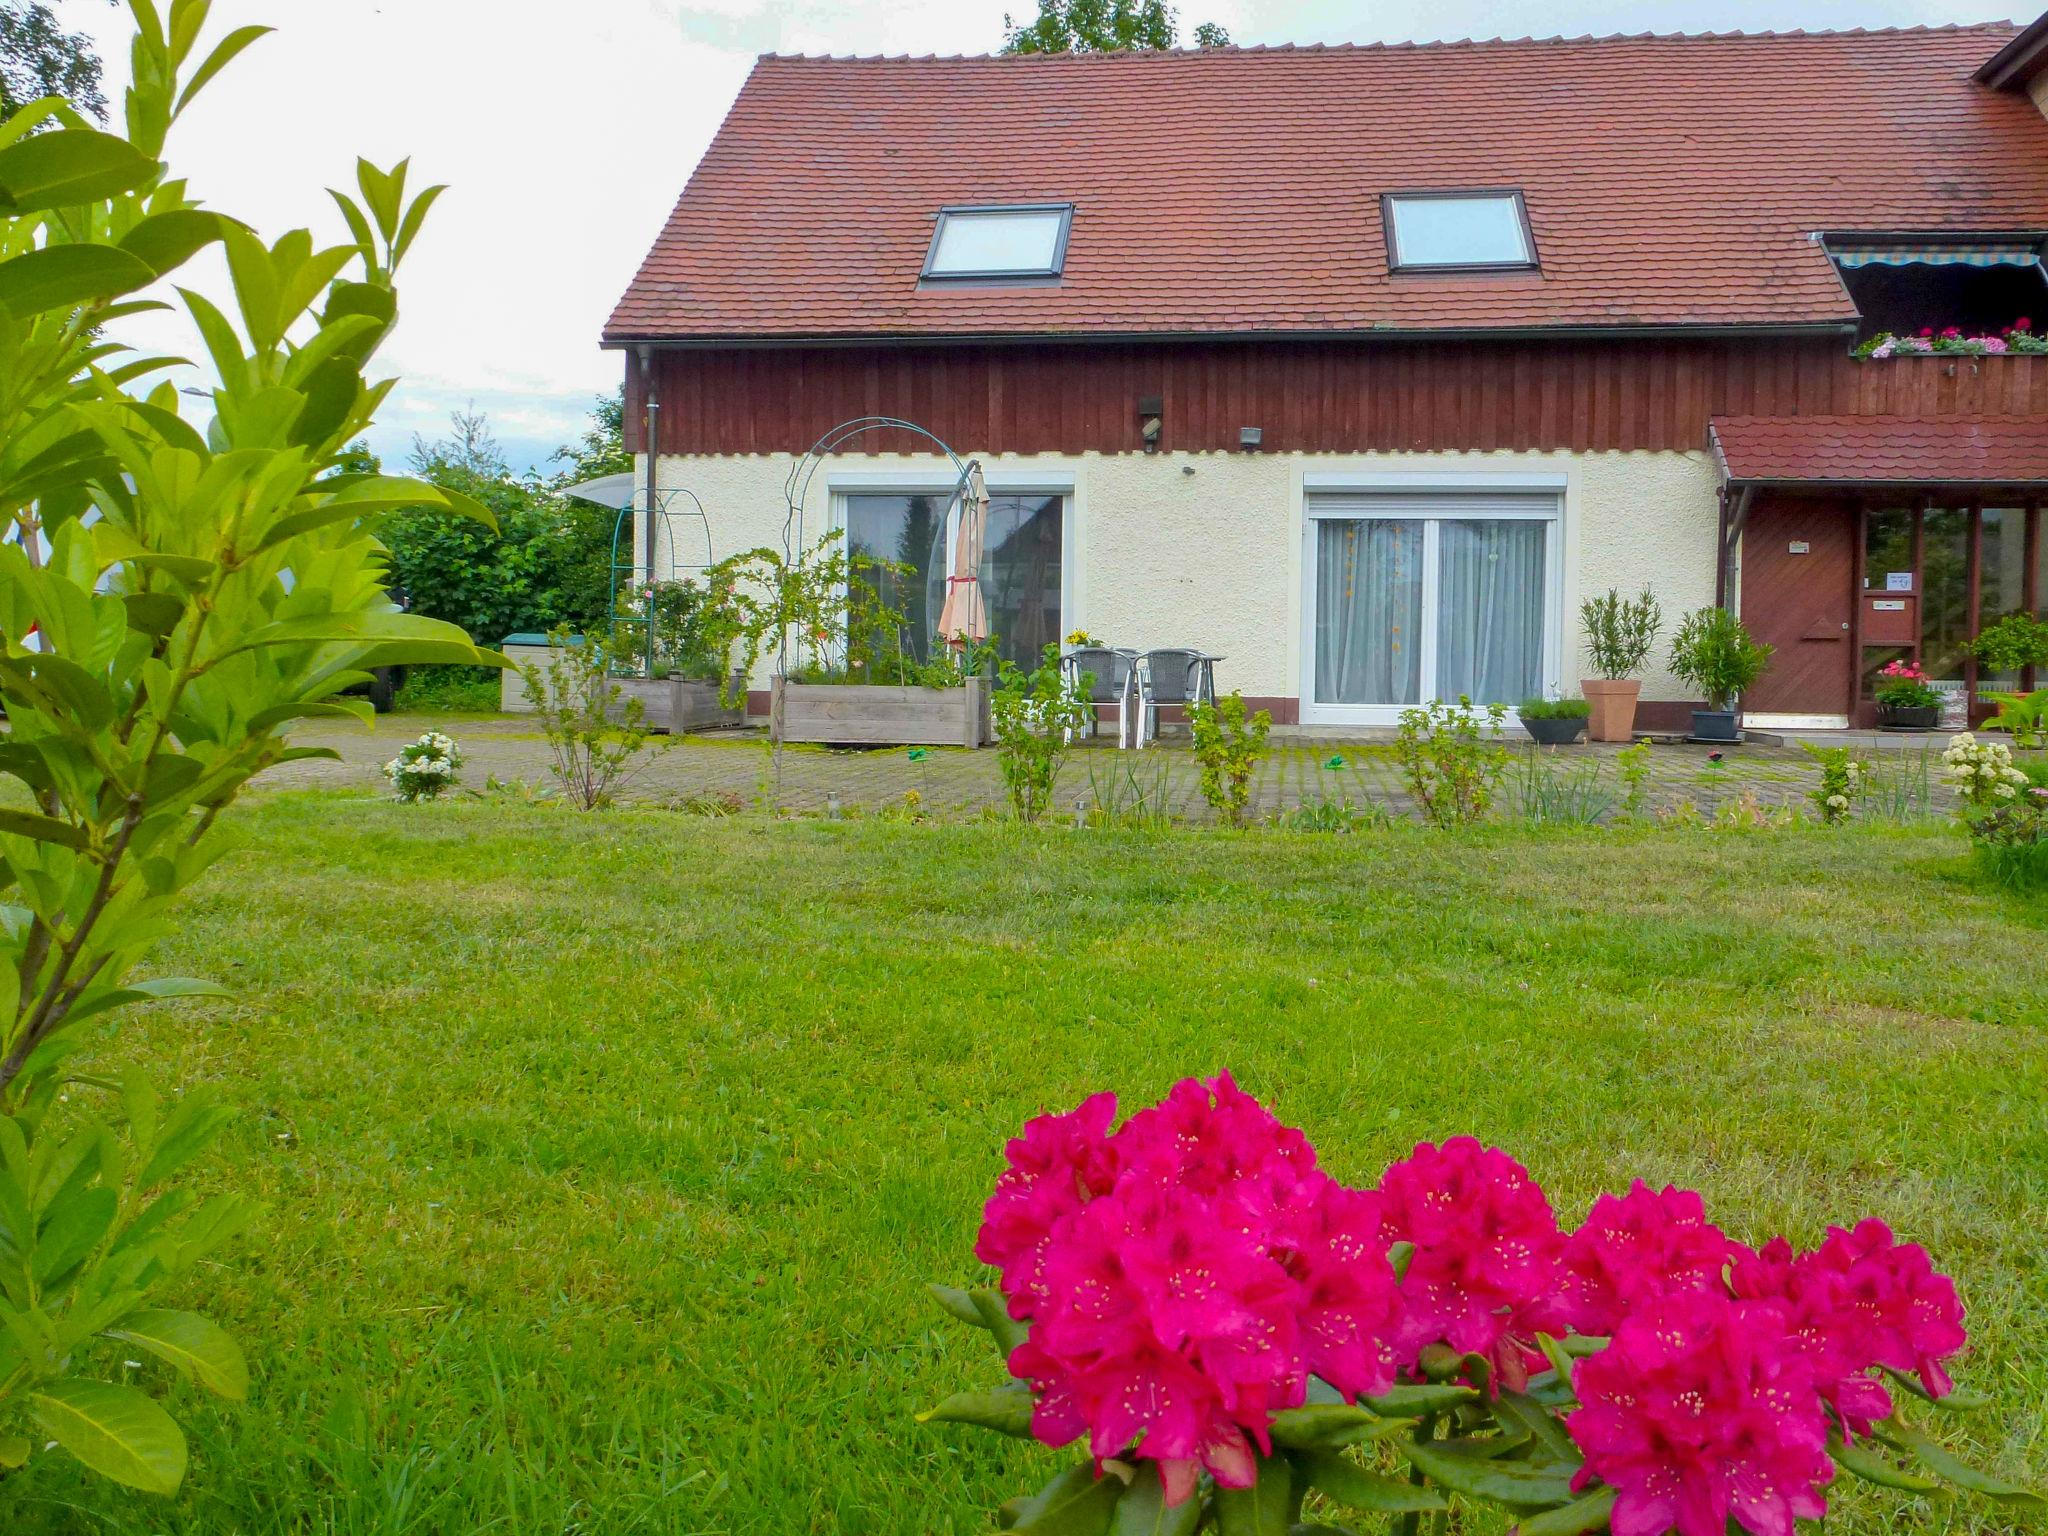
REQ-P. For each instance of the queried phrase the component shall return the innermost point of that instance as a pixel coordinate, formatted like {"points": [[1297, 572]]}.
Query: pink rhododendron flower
{"points": [[1184, 1276], [1859, 1301], [1698, 1412], [1486, 1252], [1633, 1249]]}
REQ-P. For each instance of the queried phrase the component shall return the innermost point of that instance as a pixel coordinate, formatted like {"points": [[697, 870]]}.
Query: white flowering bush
{"points": [[425, 767], [1844, 779], [1981, 772]]}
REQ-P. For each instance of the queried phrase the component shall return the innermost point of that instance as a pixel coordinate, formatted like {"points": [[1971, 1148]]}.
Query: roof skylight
{"points": [[1000, 243], [1454, 231]]}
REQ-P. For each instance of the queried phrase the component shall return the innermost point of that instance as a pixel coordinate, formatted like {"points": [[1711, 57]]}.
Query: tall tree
{"points": [[1104, 26], [39, 58]]}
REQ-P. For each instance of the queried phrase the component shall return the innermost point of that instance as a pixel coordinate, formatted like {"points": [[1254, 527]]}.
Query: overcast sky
{"points": [[565, 132]]}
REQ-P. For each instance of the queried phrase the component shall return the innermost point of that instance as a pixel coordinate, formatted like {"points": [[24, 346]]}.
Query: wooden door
{"points": [[1798, 584]]}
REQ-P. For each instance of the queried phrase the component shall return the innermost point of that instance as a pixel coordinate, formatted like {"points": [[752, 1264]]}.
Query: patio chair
{"points": [[1112, 676], [1172, 677]]}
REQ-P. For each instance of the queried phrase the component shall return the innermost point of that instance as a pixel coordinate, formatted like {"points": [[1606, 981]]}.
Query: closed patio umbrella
{"points": [[964, 617]]}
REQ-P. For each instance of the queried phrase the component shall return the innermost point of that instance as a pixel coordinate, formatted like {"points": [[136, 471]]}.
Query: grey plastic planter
{"points": [[1560, 731], [1716, 725]]}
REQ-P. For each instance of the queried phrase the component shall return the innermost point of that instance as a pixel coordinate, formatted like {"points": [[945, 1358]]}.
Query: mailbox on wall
{"points": [[1891, 618]]}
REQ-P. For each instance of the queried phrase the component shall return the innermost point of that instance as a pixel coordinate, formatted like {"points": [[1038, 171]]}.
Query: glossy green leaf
{"points": [[66, 276], [1954, 1402], [1418, 1401], [166, 241], [1264, 1509], [71, 1231], [1327, 1426], [1875, 1469], [194, 1345], [1076, 1503], [223, 54], [995, 1316], [13, 1452], [116, 1431], [1006, 1410], [68, 168], [955, 1302], [1539, 1422], [44, 829], [1515, 1484], [1575, 1519], [1143, 1510], [1944, 1464], [1355, 1488]]}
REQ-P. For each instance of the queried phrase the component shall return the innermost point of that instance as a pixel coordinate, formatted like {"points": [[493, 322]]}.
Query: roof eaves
{"points": [[1737, 330], [2019, 61]]}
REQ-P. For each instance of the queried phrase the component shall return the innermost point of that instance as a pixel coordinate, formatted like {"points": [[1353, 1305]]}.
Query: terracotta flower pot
{"points": [[1614, 707]]}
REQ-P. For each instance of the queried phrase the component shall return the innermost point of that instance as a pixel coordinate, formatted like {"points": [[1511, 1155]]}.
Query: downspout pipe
{"points": [[651, 441], [1734, 516]]}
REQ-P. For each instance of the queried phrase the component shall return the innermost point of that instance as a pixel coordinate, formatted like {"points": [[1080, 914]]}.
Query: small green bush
{"points": [[449, 690], [1714, 652], [1554, 709], [1620, 634], [1229, 747]]}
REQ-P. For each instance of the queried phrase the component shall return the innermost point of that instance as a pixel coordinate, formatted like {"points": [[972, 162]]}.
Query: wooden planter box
{"points": [[673, 705], [870, 715]]}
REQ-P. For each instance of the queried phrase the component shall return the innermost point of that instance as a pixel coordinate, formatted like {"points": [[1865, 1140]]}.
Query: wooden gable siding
{"points": [[1329, 397]]}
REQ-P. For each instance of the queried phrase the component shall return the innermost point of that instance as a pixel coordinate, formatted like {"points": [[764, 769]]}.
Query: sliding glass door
{"points": [[1418, 597]]}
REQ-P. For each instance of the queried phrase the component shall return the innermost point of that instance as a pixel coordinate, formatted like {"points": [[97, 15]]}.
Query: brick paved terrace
{"points": [[737, 768]]}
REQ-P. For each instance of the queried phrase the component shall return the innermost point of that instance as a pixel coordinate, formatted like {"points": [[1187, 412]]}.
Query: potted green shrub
{"points": [[1555, 722], [1714, 652], [1906, 701], [2016, 642], [1619, 637]]}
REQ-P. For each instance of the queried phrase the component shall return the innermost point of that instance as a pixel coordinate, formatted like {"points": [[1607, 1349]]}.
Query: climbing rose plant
{"points": [[1226, 1329]]}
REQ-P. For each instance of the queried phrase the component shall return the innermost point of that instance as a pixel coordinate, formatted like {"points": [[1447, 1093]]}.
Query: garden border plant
{"points": [[1620, 634], [173, 601], [1224, 1329], [1228, 746]]}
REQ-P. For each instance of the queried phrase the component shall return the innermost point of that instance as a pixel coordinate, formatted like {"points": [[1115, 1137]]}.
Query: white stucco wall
{"points": [[1205, 550]]}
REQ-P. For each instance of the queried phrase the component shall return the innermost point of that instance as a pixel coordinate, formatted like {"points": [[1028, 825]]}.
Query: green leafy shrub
{"points": [[1844, 780], [2023, 716], [1554, 709], [449, 690], [1229, 747], [1632, 763], [596, 736], [1452, 759], [173, 599], [2014, 643], [1620, 634], [1714, 652], [1035, 714]]}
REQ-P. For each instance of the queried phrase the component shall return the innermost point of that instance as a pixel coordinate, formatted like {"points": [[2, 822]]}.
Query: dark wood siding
{"points": [[1307, 396]]}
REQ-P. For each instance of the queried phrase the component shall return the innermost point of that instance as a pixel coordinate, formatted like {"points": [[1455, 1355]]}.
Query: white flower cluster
{"points": [[1981, 771], [425, 767]]}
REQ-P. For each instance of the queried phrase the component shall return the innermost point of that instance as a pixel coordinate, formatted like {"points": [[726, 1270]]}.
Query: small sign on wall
{"points": [[1898, 581], [1801, 547]]}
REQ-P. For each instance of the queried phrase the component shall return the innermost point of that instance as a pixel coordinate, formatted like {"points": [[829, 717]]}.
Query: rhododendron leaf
{"points": [[1355, 1488], [1942, 1463], [957, 1303], [1538, 1421], [1489, 1447], [1327, 1426], [1515, 1484], [995, 1317], [1076, 1503], [1400, 1256], [1417, 1402], [1007, 1410], [1955, 1402], [1875, 1469], [1559, 1357], [1264, 1509], [1588, 1514], [1143, 1510]]}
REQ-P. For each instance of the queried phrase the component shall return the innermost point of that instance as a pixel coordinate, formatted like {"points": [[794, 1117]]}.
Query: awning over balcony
{"points": [[1881, 450], [1939, 254]]}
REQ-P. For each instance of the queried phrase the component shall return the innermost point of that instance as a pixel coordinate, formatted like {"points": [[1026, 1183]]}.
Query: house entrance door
{"points": [[1798, 588]]}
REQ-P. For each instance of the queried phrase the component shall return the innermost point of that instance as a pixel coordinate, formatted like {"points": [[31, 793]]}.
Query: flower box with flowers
{"points": [[2018, 340], [1906, 699], [1223, 1327]]}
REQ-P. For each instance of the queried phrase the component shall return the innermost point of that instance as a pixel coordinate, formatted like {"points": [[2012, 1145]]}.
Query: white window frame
{"points": [[1331, 498], [998, 483]]}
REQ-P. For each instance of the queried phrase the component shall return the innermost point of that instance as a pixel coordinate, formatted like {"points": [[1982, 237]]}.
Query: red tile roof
{"points": [[1671, 181], [2004, 450]]}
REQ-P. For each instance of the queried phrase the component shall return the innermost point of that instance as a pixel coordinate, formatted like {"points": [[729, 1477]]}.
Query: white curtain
{"points": [[1489, 636], [1368, 611]]}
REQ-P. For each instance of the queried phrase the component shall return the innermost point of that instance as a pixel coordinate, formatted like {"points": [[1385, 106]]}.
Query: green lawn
{"points": [[604, 1157]]}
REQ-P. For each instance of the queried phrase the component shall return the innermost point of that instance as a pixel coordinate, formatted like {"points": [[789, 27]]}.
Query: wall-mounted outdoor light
{"points": [[1250, 437]]}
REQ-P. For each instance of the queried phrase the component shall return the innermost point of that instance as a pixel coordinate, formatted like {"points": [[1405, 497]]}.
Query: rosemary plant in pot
{"points": [[1619, 636], [1713, 651]]}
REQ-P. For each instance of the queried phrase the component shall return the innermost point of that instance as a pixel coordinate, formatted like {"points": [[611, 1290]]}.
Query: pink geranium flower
{"points": [[1633, 1249], [1697, 1413], [1486, 1252]]}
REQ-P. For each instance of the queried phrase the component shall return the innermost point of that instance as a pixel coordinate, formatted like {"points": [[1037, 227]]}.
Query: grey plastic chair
{"points": [[1112, 674], [1171, 677]]}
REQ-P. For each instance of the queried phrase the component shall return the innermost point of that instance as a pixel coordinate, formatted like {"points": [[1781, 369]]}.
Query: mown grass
{"points": [[604, 1157]]}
